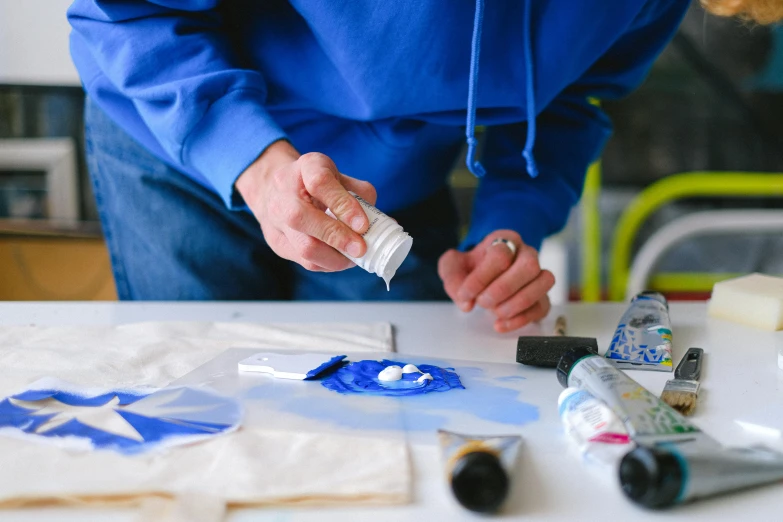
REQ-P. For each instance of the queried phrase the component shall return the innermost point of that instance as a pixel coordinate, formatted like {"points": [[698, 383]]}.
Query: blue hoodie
{"points": [[388, 89]]}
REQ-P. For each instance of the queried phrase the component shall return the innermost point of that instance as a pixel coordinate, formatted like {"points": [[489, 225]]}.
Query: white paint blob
{"points": [[391, 373], [410, 368], [425, 377]]}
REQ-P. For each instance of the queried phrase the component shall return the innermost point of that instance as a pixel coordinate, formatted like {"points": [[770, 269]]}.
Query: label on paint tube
{"points": [[647, 418], [387, 243], [597, 431], [709, 472], [674, 461], [667, 474]]}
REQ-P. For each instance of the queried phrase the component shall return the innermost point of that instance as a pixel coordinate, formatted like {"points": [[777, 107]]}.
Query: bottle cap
{"points": [[652, 477], [479, 482], [568, 360], [387, 243], [651, 294]]}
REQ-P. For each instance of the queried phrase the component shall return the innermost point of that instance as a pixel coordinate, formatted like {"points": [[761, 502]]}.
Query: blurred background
{"points": [[689, 190]]}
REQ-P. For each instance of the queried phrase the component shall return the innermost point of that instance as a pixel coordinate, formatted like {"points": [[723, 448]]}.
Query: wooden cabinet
{"points": [[44, 262]]}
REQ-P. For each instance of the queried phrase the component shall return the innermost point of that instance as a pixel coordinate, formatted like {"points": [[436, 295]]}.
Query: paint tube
{"points": [[658, 477], [675, 461], [597, 431], [387, 243], [643, 339], [479, 469], [648, 419]]}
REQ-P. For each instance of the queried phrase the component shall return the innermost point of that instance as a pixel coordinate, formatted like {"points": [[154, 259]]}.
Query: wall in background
{"points": [[714, 101], [34, 43]]}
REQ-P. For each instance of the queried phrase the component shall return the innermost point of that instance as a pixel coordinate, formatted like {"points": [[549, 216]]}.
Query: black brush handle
{"points": [[689, 368]]}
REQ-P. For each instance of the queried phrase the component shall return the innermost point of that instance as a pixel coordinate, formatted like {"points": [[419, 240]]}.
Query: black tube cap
{"points": [[479, 482], [651, 477], [568, 360], [654, 295]]}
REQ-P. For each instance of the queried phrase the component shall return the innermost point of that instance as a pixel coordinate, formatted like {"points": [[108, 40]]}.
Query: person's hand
{"points": [[512, 286], [288, 194]]}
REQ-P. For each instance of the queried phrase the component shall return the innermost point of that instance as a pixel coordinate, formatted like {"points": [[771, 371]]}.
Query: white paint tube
{"points": [[595, 429], [387, 243], [675, 461]]}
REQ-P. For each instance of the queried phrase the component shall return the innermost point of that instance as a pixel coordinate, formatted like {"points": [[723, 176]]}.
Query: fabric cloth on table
{"points": [[156, 353], [245, 468]]}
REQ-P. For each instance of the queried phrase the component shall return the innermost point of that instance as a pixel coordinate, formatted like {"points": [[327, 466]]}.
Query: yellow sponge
{"points": [[754, 300]]}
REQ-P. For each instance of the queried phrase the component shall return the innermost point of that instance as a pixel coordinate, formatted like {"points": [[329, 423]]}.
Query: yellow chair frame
{"points": [[686, 185]]}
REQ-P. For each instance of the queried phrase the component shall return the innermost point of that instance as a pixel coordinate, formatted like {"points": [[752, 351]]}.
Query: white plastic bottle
{"points": [[387, 243]]}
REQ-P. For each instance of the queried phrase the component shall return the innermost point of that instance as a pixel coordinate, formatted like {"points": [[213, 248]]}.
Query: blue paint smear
{"points": [[484, 398], [470, 371], [510, 378], [420, 413], [362, 377], [329, 410], [8, 409], [325, 366], [156, 430], [75, 399], [484, 401], [153, 430], [100, 439]]}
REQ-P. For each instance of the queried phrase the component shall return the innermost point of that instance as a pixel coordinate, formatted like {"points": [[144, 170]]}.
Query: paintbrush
{"points": [[546, 351], [560, 326], [681, 392]]}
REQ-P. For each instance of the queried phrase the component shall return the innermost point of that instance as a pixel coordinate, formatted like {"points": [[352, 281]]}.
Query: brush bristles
{"points": [[683, 402]]}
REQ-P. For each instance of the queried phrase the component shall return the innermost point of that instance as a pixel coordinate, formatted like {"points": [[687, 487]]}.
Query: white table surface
{"points": [[741, 380]]}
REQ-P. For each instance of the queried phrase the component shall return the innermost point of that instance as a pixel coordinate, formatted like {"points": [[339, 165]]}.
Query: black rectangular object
{"points": [[545, 352]]}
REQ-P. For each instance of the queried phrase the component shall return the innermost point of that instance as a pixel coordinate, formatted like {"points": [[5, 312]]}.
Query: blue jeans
{"points": [[170, 238]]}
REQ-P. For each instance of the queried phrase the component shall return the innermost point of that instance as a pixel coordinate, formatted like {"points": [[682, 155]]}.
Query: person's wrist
{"points": [[276, 156]]}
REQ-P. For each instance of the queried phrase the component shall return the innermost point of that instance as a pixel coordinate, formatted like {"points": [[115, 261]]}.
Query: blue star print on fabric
{"points": [[126, 421]]}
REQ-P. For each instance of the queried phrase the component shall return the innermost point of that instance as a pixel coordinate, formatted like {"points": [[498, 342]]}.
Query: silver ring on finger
{"points": [[510, 244]]}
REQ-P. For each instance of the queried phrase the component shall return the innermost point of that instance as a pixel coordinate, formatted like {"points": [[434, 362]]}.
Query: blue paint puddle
{"points": [[484, 397], [361, 377]]}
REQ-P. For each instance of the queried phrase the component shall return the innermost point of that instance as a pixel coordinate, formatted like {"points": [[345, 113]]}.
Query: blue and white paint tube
{"points": [[643, 339], [675, 461], [595, 429]]}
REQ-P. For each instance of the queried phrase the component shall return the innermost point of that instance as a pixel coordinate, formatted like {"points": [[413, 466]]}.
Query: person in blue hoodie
{"points": [[207, 118]]}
